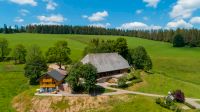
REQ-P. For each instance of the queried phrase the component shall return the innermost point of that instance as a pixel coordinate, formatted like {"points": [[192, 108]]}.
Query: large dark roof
{"points": [[56, 75], [105, 62]]}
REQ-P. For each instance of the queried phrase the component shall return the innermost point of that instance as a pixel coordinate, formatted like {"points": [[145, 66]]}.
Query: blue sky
{"points": [[123, 14]]}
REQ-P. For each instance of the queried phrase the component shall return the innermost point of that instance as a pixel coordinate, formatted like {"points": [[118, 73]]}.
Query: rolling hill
{"points": [[174, 68]]}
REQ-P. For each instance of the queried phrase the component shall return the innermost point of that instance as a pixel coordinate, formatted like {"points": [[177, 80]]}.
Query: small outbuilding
{"points": [[107, 63], [52, 80]]}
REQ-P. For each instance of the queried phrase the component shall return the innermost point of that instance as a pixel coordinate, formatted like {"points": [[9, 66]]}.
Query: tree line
{"points": [[191, 36]]}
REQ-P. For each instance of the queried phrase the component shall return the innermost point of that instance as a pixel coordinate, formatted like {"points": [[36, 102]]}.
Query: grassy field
{"points": [[133, 103], [174, 68], [12, 83]]}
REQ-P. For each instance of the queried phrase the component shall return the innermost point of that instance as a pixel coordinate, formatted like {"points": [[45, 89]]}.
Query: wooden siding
{"points": [[49, 82]]}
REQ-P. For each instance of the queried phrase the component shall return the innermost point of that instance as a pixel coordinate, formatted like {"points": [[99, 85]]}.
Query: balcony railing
{"points": [[48, 85], [47, 80]]}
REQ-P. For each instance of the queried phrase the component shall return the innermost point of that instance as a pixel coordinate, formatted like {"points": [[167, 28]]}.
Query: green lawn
{"points": [[45, 41], [132, 103], [175, 68], [12, 83]]}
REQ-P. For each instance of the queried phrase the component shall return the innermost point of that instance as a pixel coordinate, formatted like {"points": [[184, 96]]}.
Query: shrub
{"points": [[131, 77], [137, 81], [158, 100], [169, 104], [178, 41], [179, 96], [178, 109], [122, 82]]}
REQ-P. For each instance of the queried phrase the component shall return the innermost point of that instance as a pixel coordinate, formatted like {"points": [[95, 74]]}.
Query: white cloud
{"points": [[98, 16], [100, 25], [195, 20], [25, 2], [51, 5], [53, 19], [138, 26], [184, 8], [179, 24], [139, 11], [19, 20], [152, 3], [24, 12]]}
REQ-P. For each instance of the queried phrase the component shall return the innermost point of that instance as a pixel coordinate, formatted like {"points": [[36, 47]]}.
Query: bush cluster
{"points": [[133, 78], [179, 96], [169, 101], [168, 104], [122, 82]]}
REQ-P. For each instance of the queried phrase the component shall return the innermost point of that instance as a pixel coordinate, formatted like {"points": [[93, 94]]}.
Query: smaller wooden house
{"points": [[52, 80]]}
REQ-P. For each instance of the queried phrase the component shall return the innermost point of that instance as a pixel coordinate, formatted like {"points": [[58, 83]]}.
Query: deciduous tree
{"points": [[19, 54], [88, 74], [59, 53], [35, 64], [4, 49], [121, 47], [140, 58]]}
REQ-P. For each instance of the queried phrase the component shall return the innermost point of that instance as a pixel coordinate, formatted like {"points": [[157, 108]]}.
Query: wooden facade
{"points": [[51, 81], [110, 73]]}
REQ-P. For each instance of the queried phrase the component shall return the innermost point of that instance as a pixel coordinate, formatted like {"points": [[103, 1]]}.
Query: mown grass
{"points": [[45, 41], [174, 68], [160, 84], [12, 83], [132, 103]]}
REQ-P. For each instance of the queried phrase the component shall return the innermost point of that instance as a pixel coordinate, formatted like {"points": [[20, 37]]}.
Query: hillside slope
{"points": [[174, 68]]}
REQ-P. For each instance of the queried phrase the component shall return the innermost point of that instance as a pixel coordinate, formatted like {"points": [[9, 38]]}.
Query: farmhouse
{"points": [[52, 80], [107, 63]]}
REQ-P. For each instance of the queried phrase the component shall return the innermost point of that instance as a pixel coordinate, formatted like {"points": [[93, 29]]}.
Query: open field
{"points": [[174, 68]]}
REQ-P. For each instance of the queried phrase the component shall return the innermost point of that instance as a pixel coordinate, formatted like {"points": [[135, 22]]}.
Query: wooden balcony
{"points": [[47, 80], [48, 85]]}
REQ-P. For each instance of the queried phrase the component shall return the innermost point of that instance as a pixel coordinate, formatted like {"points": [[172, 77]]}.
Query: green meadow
{"points": [[174, 68]]}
